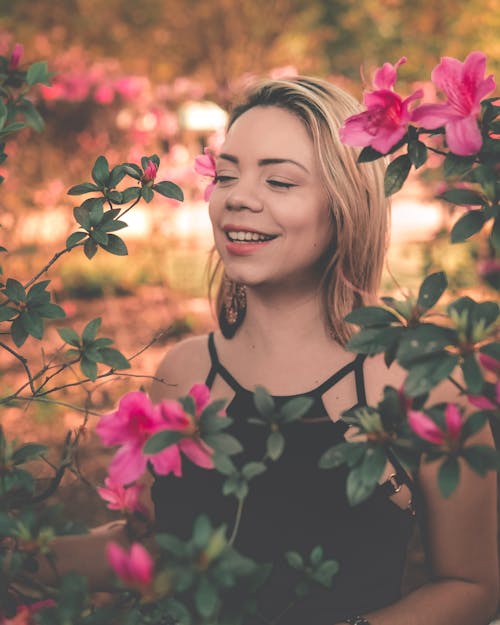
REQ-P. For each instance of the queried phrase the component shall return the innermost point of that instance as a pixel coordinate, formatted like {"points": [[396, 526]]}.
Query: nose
{"points": [[244, 196]]}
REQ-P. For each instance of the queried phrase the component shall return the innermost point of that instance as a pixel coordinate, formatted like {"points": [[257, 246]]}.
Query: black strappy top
{"points": [[295, 506]]}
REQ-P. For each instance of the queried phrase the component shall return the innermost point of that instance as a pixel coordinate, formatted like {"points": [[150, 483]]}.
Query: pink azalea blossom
{"points": [[150, 172], [386, 119], [490, 363], [427, 429], [464, 86], [205, 165], [134, 568], [201, 395], [125, 500], [16, 56], [130, 426]]}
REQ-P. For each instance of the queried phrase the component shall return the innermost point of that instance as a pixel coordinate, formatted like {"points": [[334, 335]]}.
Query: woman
{"points": [[301, 231]]}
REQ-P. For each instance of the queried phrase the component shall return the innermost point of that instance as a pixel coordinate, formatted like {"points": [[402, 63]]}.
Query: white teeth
{"points": [[243, 235]]}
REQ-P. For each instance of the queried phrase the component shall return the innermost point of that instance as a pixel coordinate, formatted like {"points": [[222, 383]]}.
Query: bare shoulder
{"points": [[185, 363], [378, 375]]}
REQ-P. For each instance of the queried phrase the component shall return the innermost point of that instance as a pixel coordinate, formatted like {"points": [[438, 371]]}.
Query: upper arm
{"points": [[185, 364]]}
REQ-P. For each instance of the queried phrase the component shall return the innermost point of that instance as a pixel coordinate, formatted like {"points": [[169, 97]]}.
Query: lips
{"points": [[243, 241]]}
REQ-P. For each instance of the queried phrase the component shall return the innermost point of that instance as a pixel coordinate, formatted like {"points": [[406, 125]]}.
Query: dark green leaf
{"points": [[38, 73], [147, 194], [371, 316], [491, 349], [482, 458], [130, 194], [368, 154], [294, 560], [113, 226], [15, 291], [206, 598], [423, 340], [448, 476], [170, 190], [161, 440], [427, 374], [82, 216], [472, 374], [474, 423], [68, 335], [32, 322], [202, 530], [100, 171], [495, 234], [31, 115], [171, 543], [295, 409], [81, 189], [51, 311], [18, 332], [431, 289], [468, 224], [223, 464], [224, 443], [462, 197], [316, 555], [113, 358], [457, 165], [325, 572], [7, 312], [374, 340], [116, 176], [133, 170], [101, 238], [252, 469], [29, 451], [417, 151], [373, 464], [334, 456], [90, 330], [72, 597], [275, 445], [115, 245], [396, 174], [75, 238], [357, 489], [263, 402]]}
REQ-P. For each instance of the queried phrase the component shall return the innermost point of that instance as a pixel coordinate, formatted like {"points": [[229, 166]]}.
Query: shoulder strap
{"points": [[218, 369], [355, 365]]}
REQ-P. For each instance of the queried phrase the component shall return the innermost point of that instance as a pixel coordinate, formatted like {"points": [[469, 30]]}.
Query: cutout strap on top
{"points": [[356, 365]]}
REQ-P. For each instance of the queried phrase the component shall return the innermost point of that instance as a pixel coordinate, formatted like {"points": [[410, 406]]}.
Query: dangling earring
{"points": [[233, 309]]}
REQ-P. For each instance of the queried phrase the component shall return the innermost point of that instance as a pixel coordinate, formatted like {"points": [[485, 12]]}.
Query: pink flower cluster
{"points": [[205, 165], [136, 420], [426, 428], [387, 116]]}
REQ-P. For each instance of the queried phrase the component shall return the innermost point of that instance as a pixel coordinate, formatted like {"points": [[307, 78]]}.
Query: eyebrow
{"points": [[264, 161]]}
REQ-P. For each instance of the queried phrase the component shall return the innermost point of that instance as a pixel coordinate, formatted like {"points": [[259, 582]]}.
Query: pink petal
{"points": [[117, 558], [208, 191], [490, 363], [140, 564], [432, 116], [172, 413], [205, 164], [425, 427], [198, 452], [110, 428], [16, 56], [167, 461], [479, 401], [387, 138], [201, 395], [463, 136], [453, 421], [385, 76], [128, 464]]}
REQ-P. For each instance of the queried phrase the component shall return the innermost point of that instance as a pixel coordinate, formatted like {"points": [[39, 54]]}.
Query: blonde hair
{"points": [[359, 209]]}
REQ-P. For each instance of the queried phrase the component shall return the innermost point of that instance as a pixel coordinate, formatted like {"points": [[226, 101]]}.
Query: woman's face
{"points": [[269, 211]]}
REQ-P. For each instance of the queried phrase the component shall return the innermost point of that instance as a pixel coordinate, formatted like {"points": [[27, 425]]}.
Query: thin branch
{"points": [[49, 264], [24, 363]]}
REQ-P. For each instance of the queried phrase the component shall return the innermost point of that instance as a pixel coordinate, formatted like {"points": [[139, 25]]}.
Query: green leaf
{"points": [[252, 469], [431, 290], [495, 234], [374, 340], [294, 560], [91, 329], [100, 171], [316, 555], [171, 543], [457, 165], [51, 311], [130, 194], [417, 151], [69, 336], [371, 316], [202, 530], [334, 456], [448, 476], [14, 127], [295, 409], [264, 402], [115, 245], [325, 572], [82, 216], [206, 598], [223, 464], [357, 489], [113, 358], [116, 176], [275, 445], [133, 170], [422, 341], [427, 374], [101, 238], [368, 154], [29, 451], [472, 374], [80, 189], [373, 465], [75, 238], [15, 291], [72, 597], [462, 197], [482, 458], [38, 73], [18, 332], [32, 322], [170, 190], [147, 194], [224, 443], [89, 368], [467, 225], [31, 115], [491, 349], [7, 312], [396, 174]]}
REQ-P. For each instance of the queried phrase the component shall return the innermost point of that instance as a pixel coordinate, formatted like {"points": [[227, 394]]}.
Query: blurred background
{"points": [[135, 78]]}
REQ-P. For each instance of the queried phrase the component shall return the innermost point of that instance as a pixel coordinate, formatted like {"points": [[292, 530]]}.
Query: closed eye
{"points": [[281, 184], [223, 179]]}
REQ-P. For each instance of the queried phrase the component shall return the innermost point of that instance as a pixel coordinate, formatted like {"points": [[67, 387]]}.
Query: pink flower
{"points": [[492, 402], [427, 429], [150, 172], [134, 568], [464, 86], [135, 421], [201, 395], [205, 165], [104, 94], [489, 363], [120, 498], [386, 119], [16, 56]]}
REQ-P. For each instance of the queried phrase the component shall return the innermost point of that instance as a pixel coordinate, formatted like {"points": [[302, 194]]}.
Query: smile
{"points": [[248, 237]]}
